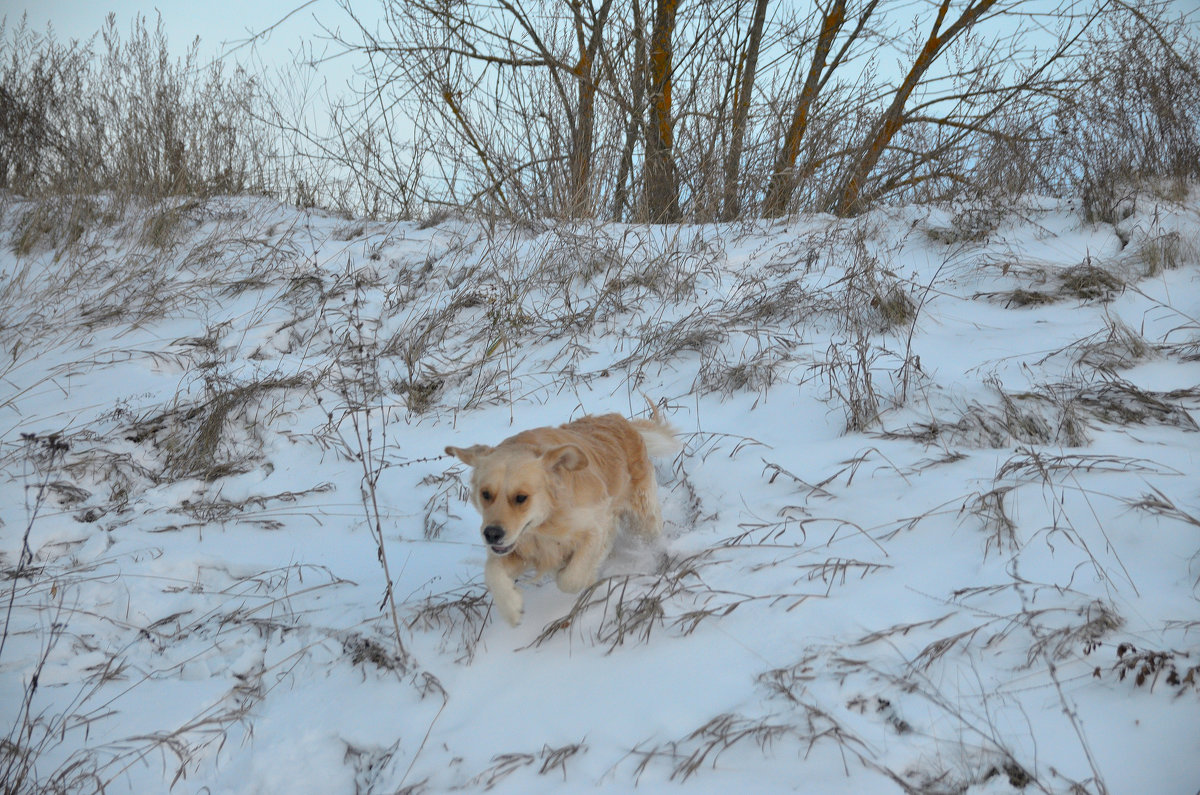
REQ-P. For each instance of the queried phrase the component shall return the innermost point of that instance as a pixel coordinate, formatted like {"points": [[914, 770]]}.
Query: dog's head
{"points": [[513, 487]]}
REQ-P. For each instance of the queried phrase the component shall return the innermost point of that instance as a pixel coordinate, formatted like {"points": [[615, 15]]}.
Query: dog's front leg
{"points": [[503, 586]]}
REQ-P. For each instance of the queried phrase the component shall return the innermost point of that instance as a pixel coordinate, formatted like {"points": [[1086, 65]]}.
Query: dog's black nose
{"points": [[493, 534]]}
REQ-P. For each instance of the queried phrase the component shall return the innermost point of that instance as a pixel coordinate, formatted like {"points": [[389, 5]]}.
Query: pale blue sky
{"points": [[221, 24]]}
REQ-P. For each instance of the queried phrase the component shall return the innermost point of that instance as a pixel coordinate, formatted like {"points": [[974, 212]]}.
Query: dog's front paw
{"points": [[574, 580], [505, 594], [511, 605]]}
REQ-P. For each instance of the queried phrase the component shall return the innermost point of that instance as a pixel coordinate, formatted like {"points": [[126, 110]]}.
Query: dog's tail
{"points": [[657, 433]]}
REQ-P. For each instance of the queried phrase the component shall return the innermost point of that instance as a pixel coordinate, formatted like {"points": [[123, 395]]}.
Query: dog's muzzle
{"points": [[494, 535]]}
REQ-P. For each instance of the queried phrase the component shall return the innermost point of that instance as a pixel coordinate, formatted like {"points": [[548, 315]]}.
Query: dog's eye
{"points": [[487, 495], [520, 498]]}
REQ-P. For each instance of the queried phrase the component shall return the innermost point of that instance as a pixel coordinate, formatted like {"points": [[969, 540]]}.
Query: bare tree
{"points": [[848, 193], [634, 111], [821, 69], [662, 110], [748, 66], [475, 73]]}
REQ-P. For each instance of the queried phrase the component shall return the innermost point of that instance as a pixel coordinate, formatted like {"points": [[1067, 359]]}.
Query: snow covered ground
{"points": [[936, 525]]}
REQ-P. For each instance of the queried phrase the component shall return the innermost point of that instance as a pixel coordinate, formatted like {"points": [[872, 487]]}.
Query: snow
{"points": [[957, 596]]}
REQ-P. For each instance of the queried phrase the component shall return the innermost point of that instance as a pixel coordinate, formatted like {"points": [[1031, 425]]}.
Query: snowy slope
{"points": [[936, 525]]}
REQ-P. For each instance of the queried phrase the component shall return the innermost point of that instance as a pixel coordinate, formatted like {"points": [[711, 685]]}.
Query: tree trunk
{"points": [[661, 187], [583, 132], [581, 142], [636, 108]]}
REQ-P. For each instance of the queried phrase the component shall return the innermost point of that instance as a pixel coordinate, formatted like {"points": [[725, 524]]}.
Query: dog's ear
{"points": [[469, 455], [567, 457]]}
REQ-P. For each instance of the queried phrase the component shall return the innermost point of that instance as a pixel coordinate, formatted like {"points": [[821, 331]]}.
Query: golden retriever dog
{"points": [[552, 499]]}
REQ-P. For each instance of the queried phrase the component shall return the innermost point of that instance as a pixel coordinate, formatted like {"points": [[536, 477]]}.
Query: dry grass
{"points": [[547, 761], [1120, 402], [1162, 252], [969, 225], [1045, 284], [76, 730], [263, 511], [708, 742], [1062, 413], [218, 436], [355, 380], [163, 228], [458, 615], [1001, 530], [1151, 668], [1161, 505], [59, 222], [1042, 464], [1088, 282], [120, 114], [363, 650], [849, 372], [1117, 347], [630, 608]]}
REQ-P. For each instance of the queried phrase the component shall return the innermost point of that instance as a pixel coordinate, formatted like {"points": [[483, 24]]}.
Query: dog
{"points": [[552, 499]]}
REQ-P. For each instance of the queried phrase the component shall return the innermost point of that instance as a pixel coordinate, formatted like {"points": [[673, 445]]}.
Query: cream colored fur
{"points": [[552, 499]]}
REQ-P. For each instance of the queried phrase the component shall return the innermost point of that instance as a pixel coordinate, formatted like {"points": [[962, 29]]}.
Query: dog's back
{"points": [[614, 448], [613, 445]]}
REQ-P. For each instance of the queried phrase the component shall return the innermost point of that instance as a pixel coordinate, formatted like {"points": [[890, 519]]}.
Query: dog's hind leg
{"points": [[645, 510], [584, 565]]}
